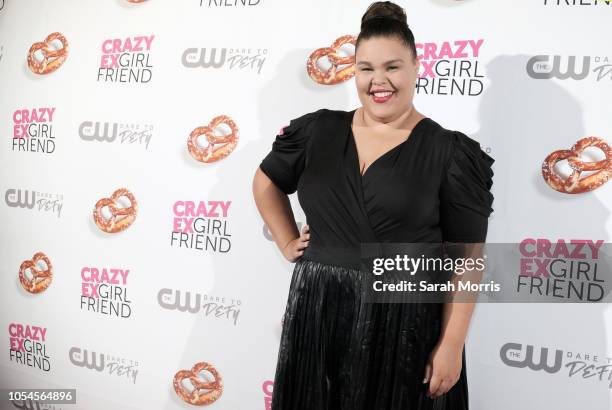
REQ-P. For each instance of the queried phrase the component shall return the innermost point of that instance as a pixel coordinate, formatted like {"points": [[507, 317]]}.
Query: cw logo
{"points": [[539, 67], [510, 354], [192, 57], [81, 358], [90, 131], [18, 198]]}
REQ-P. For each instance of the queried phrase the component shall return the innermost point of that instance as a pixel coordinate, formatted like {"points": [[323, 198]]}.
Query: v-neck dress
{"points": [[336, 351]]}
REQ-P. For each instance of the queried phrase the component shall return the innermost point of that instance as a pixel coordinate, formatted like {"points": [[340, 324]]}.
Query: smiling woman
{"points": [[386, 64], [380, 173]]}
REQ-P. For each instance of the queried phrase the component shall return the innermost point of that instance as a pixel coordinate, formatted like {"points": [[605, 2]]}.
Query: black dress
{"points": [[337, 352]]}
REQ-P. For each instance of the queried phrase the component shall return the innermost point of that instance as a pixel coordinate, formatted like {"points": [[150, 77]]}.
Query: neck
{"points": [[400, 121]]}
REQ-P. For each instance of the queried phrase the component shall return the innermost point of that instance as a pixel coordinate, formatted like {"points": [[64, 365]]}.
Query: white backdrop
{"points": [[230, 301]]}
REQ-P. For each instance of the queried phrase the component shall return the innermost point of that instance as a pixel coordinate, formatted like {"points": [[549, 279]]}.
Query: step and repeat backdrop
{"points": [[135, 267]]}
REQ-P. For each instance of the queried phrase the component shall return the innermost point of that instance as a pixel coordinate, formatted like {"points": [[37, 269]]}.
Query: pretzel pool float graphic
{"points": [[40, 279], [114, 224], [214, 151], [203, 392], [52, 57], [332, 75], [574, 184]]}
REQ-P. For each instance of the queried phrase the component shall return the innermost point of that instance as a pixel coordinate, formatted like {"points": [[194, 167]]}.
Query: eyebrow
{"points": [[397, 60]]}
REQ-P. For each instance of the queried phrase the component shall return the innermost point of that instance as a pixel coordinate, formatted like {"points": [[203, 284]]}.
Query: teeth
{"points": [[383, 94]]}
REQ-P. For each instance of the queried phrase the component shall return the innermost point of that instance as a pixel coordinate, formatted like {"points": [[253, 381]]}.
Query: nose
{"points": [[379, 79]]}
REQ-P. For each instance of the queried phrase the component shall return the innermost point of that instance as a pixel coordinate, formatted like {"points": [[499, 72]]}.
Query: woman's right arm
{"points": [[275, 209]]}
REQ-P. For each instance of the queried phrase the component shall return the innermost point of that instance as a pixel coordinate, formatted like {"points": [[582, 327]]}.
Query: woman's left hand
{"points": [[443, 368]]}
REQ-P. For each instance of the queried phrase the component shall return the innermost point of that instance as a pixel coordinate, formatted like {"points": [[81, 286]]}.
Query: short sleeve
{"points": [[285, 162], [465, 194]]}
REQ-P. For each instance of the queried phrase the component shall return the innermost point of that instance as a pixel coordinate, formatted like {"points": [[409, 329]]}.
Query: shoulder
{"points": [[467, 165], [308, 117], [468, 153], [456, 144], [439, 135], [301, 124], [326, 114], [312, 122]]}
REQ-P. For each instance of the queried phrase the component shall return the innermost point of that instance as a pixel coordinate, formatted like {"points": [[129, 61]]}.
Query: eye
{"points": [[366, 69], [392, 67]]}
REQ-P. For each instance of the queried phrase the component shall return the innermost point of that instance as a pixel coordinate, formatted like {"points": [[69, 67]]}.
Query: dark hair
{"points": [[386, 19]]}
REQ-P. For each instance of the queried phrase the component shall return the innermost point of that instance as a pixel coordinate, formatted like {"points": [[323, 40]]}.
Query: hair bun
{"points": [[384, 10]]}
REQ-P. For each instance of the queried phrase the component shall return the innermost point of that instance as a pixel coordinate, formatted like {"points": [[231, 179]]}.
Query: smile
{"points": [[382, 96]]}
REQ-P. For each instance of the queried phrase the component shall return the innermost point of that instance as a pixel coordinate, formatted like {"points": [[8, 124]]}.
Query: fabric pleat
{"points": [[337, 352]]}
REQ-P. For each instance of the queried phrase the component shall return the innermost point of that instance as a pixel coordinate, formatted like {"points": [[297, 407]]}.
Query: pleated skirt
{"points": [[338, 352]]}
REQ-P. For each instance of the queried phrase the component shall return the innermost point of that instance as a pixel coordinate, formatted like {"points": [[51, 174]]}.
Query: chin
{"points": [[382, 111]]}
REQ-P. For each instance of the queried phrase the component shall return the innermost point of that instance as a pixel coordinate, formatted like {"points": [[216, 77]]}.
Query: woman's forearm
{"points": [[455, 322], [458, 312]]}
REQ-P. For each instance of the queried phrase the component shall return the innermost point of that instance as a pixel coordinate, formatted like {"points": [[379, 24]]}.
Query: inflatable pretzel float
{"points": [[52, 59], [334, 74], [121, 218], [41, 279], [574, 184], [203, 392], [218, 147]]}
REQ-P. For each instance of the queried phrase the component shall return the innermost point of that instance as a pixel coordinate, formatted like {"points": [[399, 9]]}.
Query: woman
{"points": [[381, 173]]}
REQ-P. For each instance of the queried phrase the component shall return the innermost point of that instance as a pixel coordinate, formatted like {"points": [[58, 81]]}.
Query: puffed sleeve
{"points": [[285, 162], [465, 194]]}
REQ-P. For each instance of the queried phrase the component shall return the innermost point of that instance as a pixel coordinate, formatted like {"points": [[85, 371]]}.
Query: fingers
{"points": [[301, 243], [434, 385], [444, 387], [439, 386], [427, 373], [294, 253], [298, 254], [304, 237]]}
